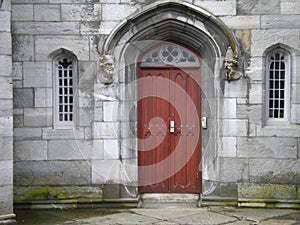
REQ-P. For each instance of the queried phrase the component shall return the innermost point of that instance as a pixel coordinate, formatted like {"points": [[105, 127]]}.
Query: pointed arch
{"points": [[185, 22]]}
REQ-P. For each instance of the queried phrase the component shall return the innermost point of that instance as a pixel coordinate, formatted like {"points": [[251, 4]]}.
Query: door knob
{"points": [[172, 126]]}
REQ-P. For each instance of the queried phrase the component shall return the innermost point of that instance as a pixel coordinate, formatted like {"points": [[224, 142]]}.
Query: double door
{"points": [[169, 131]]}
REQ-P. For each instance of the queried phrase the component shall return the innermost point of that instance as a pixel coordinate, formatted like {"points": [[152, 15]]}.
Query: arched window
{"points": [[65, 74], [278, 86]]}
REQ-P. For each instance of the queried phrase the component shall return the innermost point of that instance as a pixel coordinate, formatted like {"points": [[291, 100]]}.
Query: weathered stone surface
{"points": [[45, 28], [5, 21], [98, 114], [97, 151], [17, 71], [280, 131], [129, 172], [30, 150], [258, 7], [234, 127], [252, 112], [23, 97], [27, 133], [264, 38], [43, 97], [6, 108], [5, 47], [110, 111], [6, 200], [6, 148], [111, 149], [113, 12], [226, 189], [280, 21], [255, 70], [29, 1], [36, 74], [266, 191], [295, 94], [52, 173], [229, 108], [242, 22], [6, 123], [67, 1], [233, 169], [47, 12], [274, 147], [22, 12], [129, 148], [295, 113], [219, 8], [229, 147], [6, 87], [256, 93], [86, 116], [83, 12], [5, 5], [37, 117], [236, 89], [106, 27], [73, 149], [108, 130], [5, 65], [44, 45], [276, 171], [128, 129], [105, 171], [34, 193], [22, 47], [6, 177], [292, 7], [63, 134]]}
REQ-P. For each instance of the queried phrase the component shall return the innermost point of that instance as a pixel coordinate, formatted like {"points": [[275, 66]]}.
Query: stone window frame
{"points": [[68, 123], [285, 59]]}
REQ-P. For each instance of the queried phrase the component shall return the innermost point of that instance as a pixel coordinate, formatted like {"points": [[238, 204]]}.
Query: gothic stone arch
{"points": [[171, 21]]}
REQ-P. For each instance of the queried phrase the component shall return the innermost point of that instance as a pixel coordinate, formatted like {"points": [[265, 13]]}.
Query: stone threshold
{"points": [[168, 200]]}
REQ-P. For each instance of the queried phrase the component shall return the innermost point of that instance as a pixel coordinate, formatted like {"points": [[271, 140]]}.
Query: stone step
{"points": [[167, 200]]}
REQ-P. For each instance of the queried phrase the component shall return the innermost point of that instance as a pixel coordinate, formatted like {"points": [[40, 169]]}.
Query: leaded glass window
{"points": [[278, 86], [65, 80]]}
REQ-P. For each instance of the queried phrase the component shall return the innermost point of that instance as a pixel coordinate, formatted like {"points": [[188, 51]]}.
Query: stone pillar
{"points": [[6, 115]]}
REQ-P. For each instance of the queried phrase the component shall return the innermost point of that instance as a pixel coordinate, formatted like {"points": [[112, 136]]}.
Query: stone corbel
{"points": [[106, 69], [231, 66]]}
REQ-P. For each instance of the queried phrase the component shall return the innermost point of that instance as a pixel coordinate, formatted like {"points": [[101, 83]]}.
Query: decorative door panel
{"points": [[169, 132]]}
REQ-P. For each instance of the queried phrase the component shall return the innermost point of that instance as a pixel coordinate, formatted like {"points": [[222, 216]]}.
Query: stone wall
{"points": [[6, 114], [86, 161]]}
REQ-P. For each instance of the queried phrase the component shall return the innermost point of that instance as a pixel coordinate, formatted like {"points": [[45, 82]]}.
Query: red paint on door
{"points": [[169, 162]]}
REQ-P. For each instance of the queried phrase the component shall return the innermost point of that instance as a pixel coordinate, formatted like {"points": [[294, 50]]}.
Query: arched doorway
{"points": [[169, 112], [183, 23]]}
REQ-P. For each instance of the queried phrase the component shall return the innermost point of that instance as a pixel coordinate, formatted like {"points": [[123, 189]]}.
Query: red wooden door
{"points": [[169, 161]]}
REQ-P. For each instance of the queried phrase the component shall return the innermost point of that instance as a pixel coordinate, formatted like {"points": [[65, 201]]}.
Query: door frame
{"points": [[139, 72]]}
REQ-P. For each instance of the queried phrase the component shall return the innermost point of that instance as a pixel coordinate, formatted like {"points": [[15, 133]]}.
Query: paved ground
{"points": [[161, 216]]}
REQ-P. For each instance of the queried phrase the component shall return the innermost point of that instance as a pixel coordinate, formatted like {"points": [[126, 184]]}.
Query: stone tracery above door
{"points": [[170, 54]]}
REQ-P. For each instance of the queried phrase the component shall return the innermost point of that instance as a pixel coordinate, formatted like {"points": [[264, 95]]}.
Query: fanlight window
{"points": [[170, 54]]}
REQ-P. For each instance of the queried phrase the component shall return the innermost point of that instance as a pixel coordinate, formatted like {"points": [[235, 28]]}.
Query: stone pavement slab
{"points": [[256, 215], [161, 216]]}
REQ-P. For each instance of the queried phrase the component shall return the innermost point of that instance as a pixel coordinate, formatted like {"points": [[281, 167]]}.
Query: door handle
{"points": [[172, 126]]}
